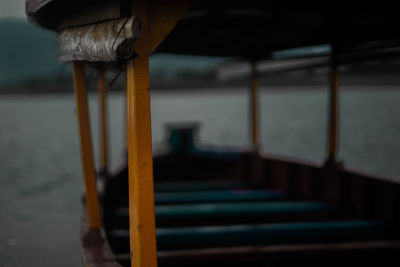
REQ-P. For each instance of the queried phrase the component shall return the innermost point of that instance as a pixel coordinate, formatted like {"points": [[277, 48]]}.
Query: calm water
{"points": [[40, 175]]}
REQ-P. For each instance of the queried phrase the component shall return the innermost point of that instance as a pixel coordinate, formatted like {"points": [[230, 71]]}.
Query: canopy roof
{"points": [[250, 28]]}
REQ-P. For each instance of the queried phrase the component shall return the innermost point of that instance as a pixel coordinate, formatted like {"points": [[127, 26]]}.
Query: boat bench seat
{"points": [[255, 234], [217, 196], [235, 213], [199, 185], [211, 196]]}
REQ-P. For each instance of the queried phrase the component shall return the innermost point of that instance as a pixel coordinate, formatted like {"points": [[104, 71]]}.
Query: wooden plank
{"points": [[195, 186], [355, 194], [259, 234], [283, 253], [304, 188], [279, 180], [385, 201], [102, 87], [184, 215], [218, 196], [331, 182], [92, 201]]}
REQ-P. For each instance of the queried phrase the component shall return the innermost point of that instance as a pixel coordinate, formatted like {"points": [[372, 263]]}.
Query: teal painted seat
{"points": [[217, 196], [258, 234], [237, 212], [198, 211], [198, 186]]}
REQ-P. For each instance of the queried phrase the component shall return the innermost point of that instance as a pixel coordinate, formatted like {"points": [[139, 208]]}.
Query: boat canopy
{"points": [[250, 29]]}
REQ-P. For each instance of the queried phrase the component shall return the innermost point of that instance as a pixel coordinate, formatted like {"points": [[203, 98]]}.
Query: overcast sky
{"points": [[12, 9]]}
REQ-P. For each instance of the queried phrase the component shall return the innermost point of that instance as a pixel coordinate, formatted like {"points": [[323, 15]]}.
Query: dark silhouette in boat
{"points": [[224, 208]]}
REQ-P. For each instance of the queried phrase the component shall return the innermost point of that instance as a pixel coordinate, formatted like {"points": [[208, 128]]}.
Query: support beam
{"points": [[92, 201], [102, 88], [254, 119], [140, 161], [158, 19], [140, 158], [333, 107]]}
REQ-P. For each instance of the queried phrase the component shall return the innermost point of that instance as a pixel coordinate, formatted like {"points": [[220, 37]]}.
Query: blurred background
{"points": [[40, 175]]}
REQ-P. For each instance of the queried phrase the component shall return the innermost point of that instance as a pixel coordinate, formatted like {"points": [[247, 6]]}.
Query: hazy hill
{"points": [[27, 53]]}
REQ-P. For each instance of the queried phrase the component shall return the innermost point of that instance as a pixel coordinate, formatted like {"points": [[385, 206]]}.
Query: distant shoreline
{"points": [[285, 82], [68, 89]]}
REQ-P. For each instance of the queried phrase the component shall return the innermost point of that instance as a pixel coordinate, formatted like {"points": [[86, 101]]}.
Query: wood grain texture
{"points": [[158, 18], [92, 201], [141, 188], [102, 88]]}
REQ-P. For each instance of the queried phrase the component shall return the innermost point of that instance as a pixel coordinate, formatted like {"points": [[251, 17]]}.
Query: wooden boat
{"points": [[222, 208]]}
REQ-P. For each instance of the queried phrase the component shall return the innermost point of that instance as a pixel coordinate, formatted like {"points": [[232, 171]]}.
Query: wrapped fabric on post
{"points": [[103, 42]]}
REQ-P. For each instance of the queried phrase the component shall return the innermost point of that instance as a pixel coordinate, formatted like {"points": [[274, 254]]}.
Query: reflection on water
{"points": [[40, 177]]}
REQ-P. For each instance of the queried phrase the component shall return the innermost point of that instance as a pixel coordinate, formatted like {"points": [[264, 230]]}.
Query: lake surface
{"points": [[40, 175]]}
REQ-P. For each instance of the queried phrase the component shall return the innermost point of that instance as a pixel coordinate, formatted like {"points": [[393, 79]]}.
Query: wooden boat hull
{"points": [[360, 229]]}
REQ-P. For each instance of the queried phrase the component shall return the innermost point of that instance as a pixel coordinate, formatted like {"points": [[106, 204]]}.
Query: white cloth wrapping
{"points": [[109, 41]]}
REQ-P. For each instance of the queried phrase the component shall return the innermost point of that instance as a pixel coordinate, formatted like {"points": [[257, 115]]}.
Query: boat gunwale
{"points": [[98, 253]]}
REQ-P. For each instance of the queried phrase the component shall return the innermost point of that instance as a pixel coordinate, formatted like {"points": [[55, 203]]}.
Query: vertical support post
{"points": [[333, 107], [92, 201], [254, 106], [101, 87], [140, 159], [141, 187], [158, 19], [256, 161], [331, 183]]}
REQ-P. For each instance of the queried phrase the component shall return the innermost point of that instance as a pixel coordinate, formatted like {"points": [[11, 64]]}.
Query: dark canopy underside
{"points": [[247, 28]]}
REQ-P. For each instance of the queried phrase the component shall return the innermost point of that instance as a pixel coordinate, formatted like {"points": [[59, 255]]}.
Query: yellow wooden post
{"points": [[92, 201], [333, 107], [141, 188], [140, 158], [158, 19], [101, 87], [254, 106]]}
